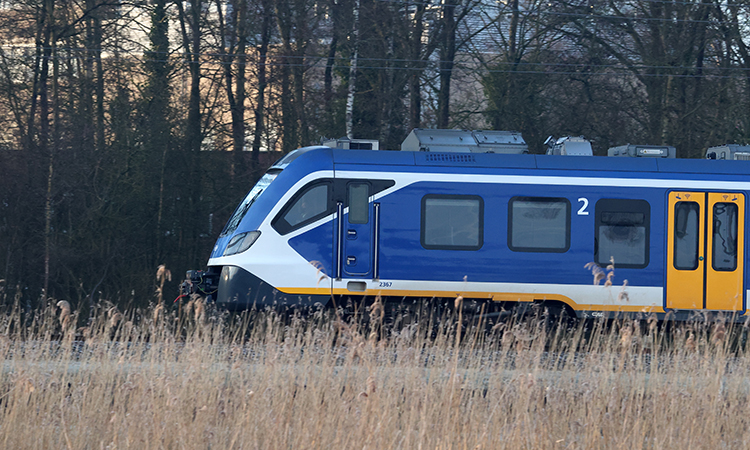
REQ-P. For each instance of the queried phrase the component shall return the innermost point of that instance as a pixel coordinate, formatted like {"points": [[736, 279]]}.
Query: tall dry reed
{"points": [[260, 381]]}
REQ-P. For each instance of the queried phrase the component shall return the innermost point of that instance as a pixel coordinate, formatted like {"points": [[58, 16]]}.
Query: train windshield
{"points": [[244, 207]]}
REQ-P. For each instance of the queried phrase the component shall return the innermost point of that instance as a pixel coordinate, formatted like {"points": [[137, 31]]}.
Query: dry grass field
{"points": [[161, 381]]}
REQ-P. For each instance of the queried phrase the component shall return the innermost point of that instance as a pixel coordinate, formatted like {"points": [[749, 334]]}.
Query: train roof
{"points": [[548, 162]]}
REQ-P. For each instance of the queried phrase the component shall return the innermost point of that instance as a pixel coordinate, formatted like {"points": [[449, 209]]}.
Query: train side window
{"points": [[724, 252], [686, 239], [539, 224], [452, 222], [622, 232], [359, 203], [306, 207]]}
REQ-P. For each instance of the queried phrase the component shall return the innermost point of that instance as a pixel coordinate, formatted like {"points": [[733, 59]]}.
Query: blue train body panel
{"points": [[495, 261]]}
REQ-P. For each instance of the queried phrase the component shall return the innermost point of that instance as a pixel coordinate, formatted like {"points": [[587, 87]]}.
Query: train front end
{"points": [[253, 264]]}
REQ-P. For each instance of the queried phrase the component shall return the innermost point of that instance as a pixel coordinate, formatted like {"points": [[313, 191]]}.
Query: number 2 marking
{"points": [[582, 211]]}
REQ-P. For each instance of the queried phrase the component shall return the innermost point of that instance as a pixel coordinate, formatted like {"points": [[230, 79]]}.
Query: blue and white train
{"points": [[592, 236]]}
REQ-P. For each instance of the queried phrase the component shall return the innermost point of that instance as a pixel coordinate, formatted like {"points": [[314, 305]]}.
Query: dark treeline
{"points": [[130, 130]]}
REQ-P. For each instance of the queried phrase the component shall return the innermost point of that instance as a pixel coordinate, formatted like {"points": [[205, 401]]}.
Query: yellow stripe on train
{"points": [[494, 296]]}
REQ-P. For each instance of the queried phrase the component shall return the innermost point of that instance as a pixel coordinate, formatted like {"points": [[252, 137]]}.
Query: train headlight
{"points": [[241, 242]]}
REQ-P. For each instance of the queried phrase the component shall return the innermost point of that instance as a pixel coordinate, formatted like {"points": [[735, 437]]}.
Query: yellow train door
{"points": [[705, 251]]}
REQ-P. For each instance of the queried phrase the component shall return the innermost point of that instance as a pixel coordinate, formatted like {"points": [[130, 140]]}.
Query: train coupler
{"points": [[204, 283]]}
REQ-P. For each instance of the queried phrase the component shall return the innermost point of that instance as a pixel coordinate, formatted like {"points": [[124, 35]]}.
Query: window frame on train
{"points": [[686, 235], [516, 231], [621, 212], [283, 226], [719, 241], [359, 207], [441, 220]]}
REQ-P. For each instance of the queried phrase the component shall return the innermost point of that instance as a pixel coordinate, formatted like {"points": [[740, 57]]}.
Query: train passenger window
{"points": [[686, 229], [313, 203], [359, 203], [538, 224], [452, 222], [622, 232], [724, 252], [310, 204]]}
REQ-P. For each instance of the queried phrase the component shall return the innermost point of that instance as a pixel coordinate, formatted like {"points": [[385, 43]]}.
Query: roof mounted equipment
{"points": [[464, 141], [729, 151], [351, 144], [569, 145], [643, 151]]}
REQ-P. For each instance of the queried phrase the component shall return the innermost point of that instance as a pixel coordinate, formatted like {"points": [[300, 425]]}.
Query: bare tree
{"points": [[662, 45], [297, 22], [353, 73], [454, 13], [232, 42], [260, 99]]}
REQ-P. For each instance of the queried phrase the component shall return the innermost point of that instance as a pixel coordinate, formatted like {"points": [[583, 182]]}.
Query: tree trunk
{"points": [[99, 82], [415, 94], [156, 111], [329, 126], [301, 38], [447, 57], [260, 99], [352, 74], [288, 112], [193, 135], [655, 84], [237, 102], [238, 117], [48, 40], [234, 56]]}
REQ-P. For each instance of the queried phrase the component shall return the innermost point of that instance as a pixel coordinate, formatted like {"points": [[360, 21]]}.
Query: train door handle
{"points": [[351, 234], [351, 260]]}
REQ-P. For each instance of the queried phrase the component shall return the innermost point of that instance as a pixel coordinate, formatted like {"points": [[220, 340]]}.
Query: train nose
{"points": [[240, 289]]}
